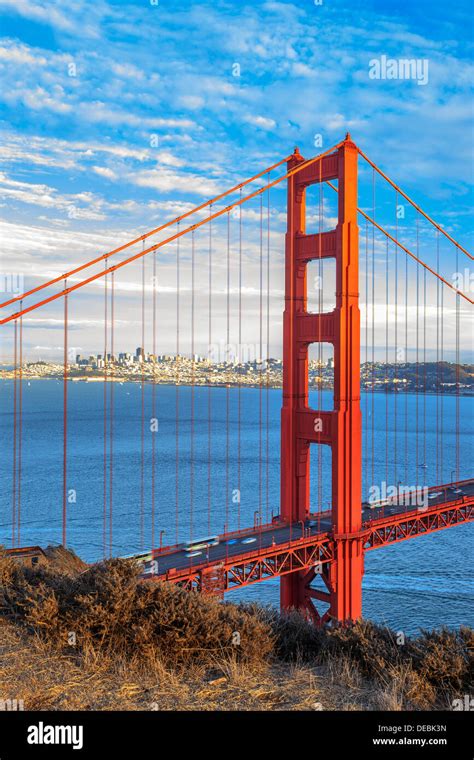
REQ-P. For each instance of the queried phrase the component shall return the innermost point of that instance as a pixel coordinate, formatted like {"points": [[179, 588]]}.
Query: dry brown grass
{"points": [[152, 646], [47, 680], [424, 672], [105, 612]]}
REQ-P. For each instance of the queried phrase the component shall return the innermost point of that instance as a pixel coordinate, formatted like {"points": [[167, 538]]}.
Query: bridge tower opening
{"points": [[302, 426]]}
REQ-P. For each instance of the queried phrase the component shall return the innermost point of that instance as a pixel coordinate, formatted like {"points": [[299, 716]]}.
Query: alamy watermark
{"points": [[400, 495], [11, 283], [399, 68]]}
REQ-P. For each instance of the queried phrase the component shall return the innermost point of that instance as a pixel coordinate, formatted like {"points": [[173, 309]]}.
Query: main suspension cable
{"points": [[415, 206], [129, 244], [168, 240]]}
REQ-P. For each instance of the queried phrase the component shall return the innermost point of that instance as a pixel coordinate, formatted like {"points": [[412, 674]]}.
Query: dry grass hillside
{"points": [[93, 638]]}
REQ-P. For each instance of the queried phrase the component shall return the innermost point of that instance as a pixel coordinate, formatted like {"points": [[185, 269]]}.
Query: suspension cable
{"points": [[458, 358], [437, 366], [395, 371], [65, 399], [406, 370], [407, 250], [227, 392], [105, 256], [415, 206], [153, 410], [239, 396], [142, 408], [424, 376], [366, 326], [260, 408], [417, 368], [442, 386], [386, 359], [193, 370], [111, 415], [267, 453], [20, 429], [105, 427], [170, 239], [15, 393], [178, 378], [373, 337], [209, 396]]}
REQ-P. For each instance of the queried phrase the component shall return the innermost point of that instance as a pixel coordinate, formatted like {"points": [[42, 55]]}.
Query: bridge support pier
{"points": [[340, 428]]}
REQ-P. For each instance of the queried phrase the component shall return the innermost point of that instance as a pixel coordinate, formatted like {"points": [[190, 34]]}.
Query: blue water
{"points": [[419, 583]]}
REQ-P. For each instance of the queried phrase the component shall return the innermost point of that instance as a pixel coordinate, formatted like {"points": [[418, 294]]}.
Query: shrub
{"points": [[112, 614]]}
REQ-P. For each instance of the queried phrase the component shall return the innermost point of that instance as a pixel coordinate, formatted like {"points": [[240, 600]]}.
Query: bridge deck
{"points": [[276, 549]]}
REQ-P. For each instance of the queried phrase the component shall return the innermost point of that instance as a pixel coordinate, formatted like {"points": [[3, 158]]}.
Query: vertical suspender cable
{"points": [[227, 396], [417, 368], [372, 454], [193, 369], [142, 408], [267, 453], [20, 426], [424, 376], [437, 363], [104, 531], [441, 368], [178, 286], [406, 370], [458, 358], [111, 415], [320, 309], [15, 369], [366, 353], [209, 404], [239, 398], [65, 379], [386, 362], [153, 412], [260, 359], [395, 371]]}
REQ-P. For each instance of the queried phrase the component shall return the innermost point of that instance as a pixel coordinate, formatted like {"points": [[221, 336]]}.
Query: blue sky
{"points": [[117, 115]]}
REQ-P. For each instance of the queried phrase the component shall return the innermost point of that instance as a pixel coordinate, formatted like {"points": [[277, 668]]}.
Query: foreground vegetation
{"points": [[78, 637]]}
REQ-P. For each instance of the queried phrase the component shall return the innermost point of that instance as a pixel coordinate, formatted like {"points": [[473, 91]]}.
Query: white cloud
{"points": [[168, 181], [127, 71], [21, 54], [40, 11], [39, 99], [67, 19], [169, 160], [96, 111], [191, 101], [261, 121], [103, 171], [48, 197]]}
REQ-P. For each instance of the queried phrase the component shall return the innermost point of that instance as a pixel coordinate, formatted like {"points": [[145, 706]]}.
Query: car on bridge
{"points": [[198, 544]]}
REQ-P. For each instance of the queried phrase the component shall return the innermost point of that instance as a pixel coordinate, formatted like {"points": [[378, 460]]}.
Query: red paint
{"points": [[341, 428]]}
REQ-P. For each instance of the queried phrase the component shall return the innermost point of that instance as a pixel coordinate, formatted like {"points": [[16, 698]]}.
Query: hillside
{"points": [[97, 639]]}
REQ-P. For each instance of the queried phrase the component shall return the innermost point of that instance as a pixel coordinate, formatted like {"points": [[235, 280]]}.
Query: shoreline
{"points": [[256, 386]]}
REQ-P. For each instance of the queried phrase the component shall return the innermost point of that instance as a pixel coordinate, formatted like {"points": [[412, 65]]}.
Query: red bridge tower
{"points": [[341, 428]]}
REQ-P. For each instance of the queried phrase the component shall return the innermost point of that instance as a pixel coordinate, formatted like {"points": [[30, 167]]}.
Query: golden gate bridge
{"points": [[209, 259]]}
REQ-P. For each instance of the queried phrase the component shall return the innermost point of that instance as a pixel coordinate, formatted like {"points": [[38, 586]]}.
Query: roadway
{"points": [[277, 533]]}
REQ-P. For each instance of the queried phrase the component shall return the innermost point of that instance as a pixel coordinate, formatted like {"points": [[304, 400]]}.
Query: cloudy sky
{"points": [[117, 116]]}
